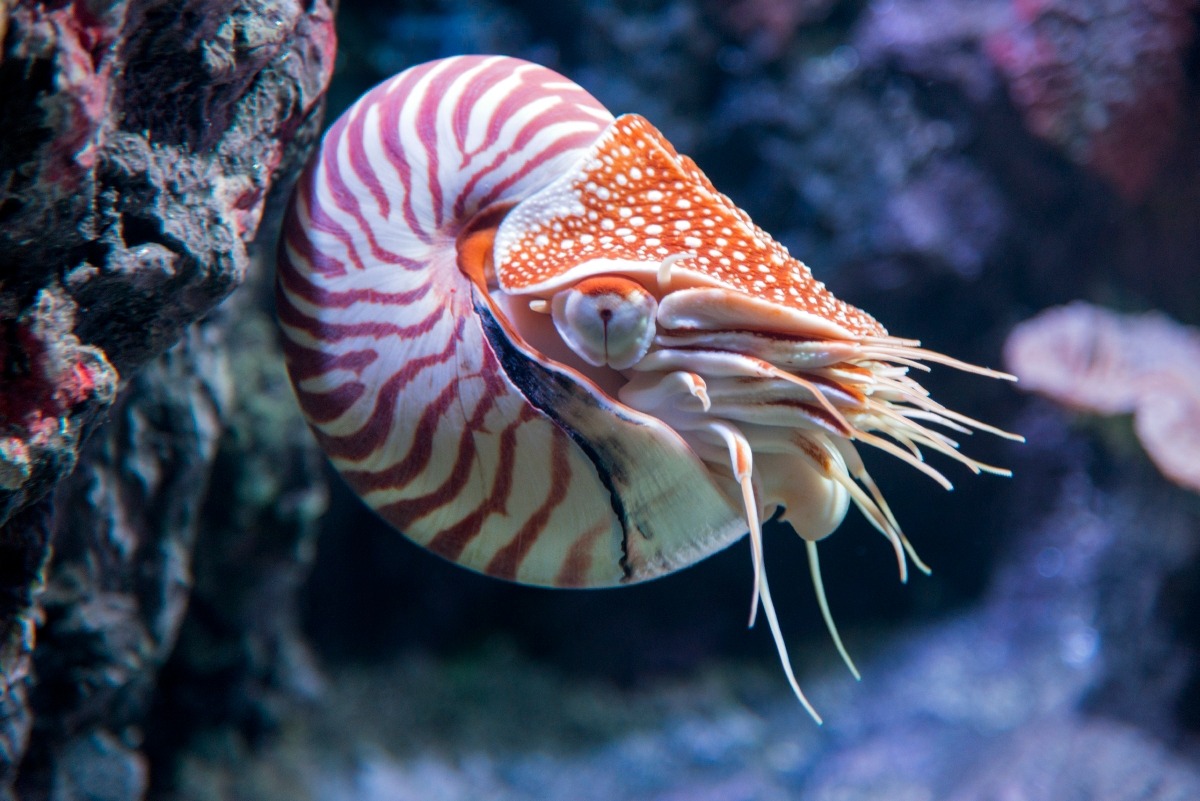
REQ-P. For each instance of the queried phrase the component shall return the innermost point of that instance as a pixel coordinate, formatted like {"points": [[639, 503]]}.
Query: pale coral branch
{"points": [[1099, 361]]}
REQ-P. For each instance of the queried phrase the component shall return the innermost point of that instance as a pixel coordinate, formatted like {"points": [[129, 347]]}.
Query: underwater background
{"points": [[197, 608]]}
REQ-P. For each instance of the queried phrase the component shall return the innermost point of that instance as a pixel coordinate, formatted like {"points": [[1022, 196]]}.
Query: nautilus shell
{"points": [[538, 341]]}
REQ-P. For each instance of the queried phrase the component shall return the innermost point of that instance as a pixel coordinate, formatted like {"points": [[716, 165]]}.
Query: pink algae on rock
{"points": [[50, 380], [1095, 360]]}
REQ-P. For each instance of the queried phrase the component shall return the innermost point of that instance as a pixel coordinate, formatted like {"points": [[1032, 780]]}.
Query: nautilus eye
{"points": [[607, 321], [691, 379]]}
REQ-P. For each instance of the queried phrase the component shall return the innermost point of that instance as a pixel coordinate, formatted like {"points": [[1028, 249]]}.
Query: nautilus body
{"points": [[538, 341]]}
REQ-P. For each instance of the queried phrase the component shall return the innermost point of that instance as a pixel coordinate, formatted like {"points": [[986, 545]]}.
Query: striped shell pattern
{"points": [[538, 341]]}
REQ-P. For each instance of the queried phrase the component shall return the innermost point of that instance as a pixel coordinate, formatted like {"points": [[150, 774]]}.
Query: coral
{"points": [[142, 142], [1098, 361], [1102, 80], [1168, 424], [139, 486]]}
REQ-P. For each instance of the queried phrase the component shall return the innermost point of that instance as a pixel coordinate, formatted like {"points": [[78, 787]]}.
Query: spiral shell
{"points": [[538, 341]]}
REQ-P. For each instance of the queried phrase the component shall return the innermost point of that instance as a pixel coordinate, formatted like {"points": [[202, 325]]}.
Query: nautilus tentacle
{"points": [[539, 342]]}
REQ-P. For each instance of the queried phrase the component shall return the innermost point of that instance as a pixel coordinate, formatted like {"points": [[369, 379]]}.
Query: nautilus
{"points": [[537, 341]]}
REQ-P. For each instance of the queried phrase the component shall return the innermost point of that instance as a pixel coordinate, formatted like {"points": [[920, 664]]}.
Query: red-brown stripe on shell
{"points": [[539, 342]]}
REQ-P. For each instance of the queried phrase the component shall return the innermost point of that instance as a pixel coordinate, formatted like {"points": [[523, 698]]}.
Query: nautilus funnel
{"points": [[540, 343]]}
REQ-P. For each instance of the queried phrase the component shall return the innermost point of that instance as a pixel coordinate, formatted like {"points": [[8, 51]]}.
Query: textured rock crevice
{"points": [[143, 141]]}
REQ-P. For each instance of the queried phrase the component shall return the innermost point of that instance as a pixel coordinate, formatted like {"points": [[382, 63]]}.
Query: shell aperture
{"points": [[539, 342]]}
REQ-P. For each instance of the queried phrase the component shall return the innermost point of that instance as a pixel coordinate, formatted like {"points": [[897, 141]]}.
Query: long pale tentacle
{"points": [[814, 568], [741, 462], [781, 647]]}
